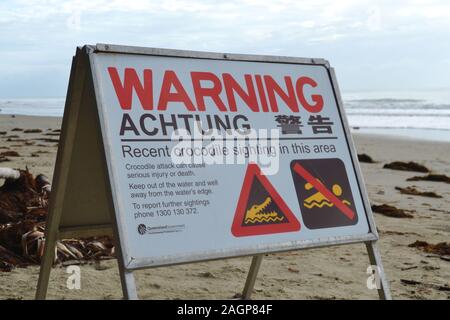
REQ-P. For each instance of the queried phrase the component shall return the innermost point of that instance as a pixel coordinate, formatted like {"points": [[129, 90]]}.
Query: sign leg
{"points": [[46, 266], [128, 284], [251, 277], [375, 259], [61, 171], [127, 281]]}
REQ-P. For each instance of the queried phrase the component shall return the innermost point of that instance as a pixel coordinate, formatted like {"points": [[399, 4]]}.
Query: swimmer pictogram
{"points": [[323, 193], [319, 200]]}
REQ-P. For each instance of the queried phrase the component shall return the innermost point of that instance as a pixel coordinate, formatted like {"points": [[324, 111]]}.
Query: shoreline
{"points": [[433, 135], [426, 134], [321, 273]]}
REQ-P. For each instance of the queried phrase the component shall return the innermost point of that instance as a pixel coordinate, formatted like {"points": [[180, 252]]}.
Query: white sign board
{"points": [[173, 212], [194, 156]]}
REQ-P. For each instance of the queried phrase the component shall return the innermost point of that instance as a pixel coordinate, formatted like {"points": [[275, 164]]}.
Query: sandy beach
{"points": [[326, 273]]}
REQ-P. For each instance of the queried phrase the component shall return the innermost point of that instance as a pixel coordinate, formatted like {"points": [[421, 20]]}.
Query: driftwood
{"points": [[23, 211]]}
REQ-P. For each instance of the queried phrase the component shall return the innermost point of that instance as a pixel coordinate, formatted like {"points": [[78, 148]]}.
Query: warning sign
{"points": [[198, 154], [323, 193], [203, 156], [260, 209]]}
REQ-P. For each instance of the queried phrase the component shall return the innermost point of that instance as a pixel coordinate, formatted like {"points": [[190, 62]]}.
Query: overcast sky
{"points": [[374, 45]]}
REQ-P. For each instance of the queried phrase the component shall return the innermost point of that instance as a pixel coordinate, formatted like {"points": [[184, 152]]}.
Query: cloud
{"points": [[352, 34]]}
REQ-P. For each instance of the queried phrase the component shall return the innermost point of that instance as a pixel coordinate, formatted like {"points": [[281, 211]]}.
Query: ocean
{"points": [[416, 114]]}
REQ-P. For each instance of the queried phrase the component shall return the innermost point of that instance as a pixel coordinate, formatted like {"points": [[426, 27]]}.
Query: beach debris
{"points": [[23, 211], [409, 268], [158, 286], [32, 131], [415, 192], [431, 177], [47, 139], [406, 166], [207, 274], [398, 233], [410, 282], [439, 287], [43, 183], [391, 211], [439, 210], [2, 132], [8, 173], [445, 287], [100, 266], [20, 196], [9, 154], [365, 158], [9, 260], [17, 129], [41, 151], [431, 268], [441, 248]]}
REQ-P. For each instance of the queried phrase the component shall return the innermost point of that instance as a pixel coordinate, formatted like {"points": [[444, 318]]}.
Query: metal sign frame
{"points": [[84, 81]]}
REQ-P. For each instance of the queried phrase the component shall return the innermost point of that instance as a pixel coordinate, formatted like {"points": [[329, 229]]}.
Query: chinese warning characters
{"points": [[291, 124]]}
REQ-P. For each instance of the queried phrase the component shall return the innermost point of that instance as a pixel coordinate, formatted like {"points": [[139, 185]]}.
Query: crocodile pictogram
{"points": [[260, 209], [256, 214]]}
